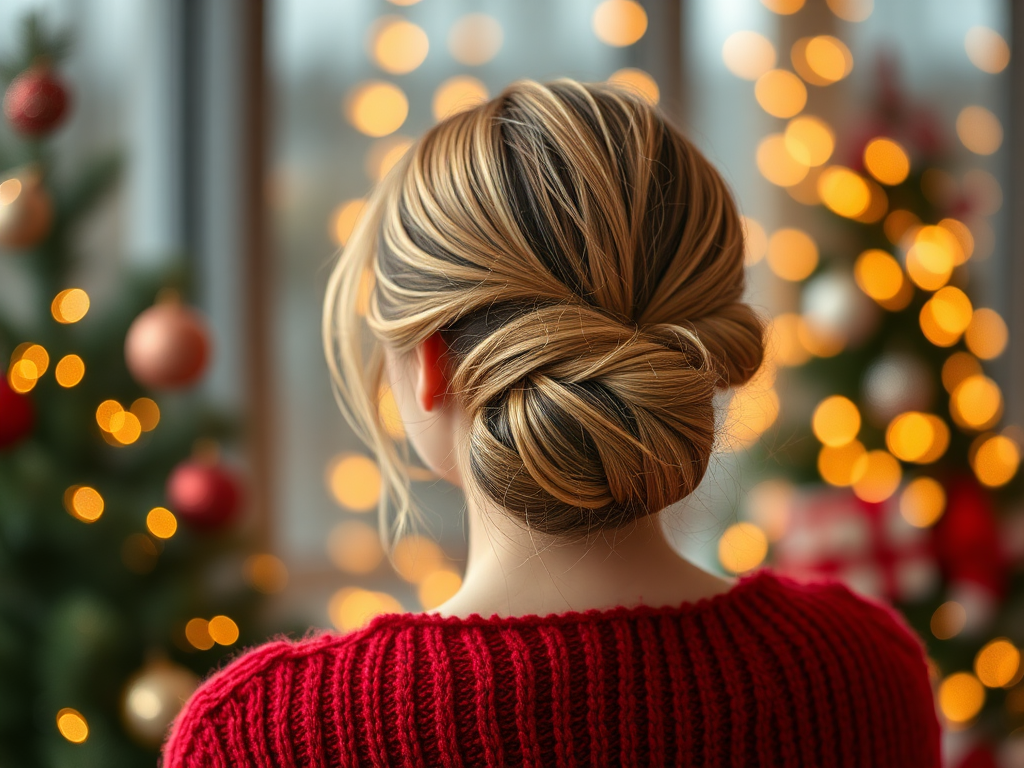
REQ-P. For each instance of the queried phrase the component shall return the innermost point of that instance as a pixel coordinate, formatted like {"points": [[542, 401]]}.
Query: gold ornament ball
{"points": [[26, 210], [153, 697]]}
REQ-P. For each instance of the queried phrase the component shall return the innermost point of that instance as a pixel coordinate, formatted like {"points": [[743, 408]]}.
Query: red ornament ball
{"points": [[26, 210], [206, 496], [167, 346], [17, 415], [36, 101]]}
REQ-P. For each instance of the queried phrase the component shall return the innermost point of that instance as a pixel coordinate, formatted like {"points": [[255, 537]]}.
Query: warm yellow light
{"points": [[438, 587], [403, 2], [748, 55], [805, 191], [961, 697], [987, 49], [70, 305], [397, 45], [457, 94], [72, 725], [910, 436], [637, 80], [755, 240], [619, 22], [752, 409], [963, 236], [354, 482], [810, 140], [125, 427], [780, 93], [10, 189], [416, 556], [223, 630], [266, 573], [377, 108], [792, 254], [161, 522], [948, 620], [783, 7], [32, 360], [382, 157], [771, 503], [940, 440], [878, 203], [843, 191], [829, 58], [852, 10], [351, 607], [390, 415], [979, 130], [931, 258], [69, 371], [475, 39], [105, 412], [996, 461], [197, 632], [958, 367], [898, 223], [354, 547], [879, 475], [841, 466], [742, 547], [820, 340], [22, 376], [996, 664], [836, 421], [777, 164], [785, 346], [84, 503], [976, 403], [952, 309], [886, 160], [987, 334], [878, 274], [922, 502], [147, 412], [344, 220]]}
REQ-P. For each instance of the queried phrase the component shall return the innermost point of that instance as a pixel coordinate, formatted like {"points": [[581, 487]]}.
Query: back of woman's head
{"points": [[583, 262]]}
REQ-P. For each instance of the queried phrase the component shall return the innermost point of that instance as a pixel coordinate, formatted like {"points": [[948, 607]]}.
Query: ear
{"points": [[431, 379]]}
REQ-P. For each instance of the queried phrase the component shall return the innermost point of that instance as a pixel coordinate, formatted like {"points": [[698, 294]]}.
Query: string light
{"points": [[742, 547], [72, 725], [836, 421], [748, 55], [619, 22], [161, 522], [780, 93], [979, 130], [69, 371], [70, 305], [377, 108], [354, 481], [922, 502]]}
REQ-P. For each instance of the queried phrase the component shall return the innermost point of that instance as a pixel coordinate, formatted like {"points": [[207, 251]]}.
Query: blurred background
{"points": [[176, 178]]}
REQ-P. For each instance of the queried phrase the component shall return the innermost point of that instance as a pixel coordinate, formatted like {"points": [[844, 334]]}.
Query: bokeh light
{"points": [[783, 7], [352, 607], [397, 45], [105, 411], [979, 130], [125, 427], [742, 547], [777, 164], [878, 476], [72, 725], [755, 240], [958, 367], [457, 94], [932, 256], [354, 481], [619, 22], [792, 254], [147, 412], [69, 371], [963, 236], [996, 664], [843, 191], [987, 49], [784, 340], [416, 556], [836, 421], [922, 502], [752, 410], [976, 403], [475, 39], [948, 620], [961, 697], [770, 503], [996, 461], [987, 335], [389, 414], [354, 547], [382, 157], [810, 140], [344, 220], [197, 632], [748, 55], [438, 587], [637, 80], [910, 436], [852, 10], [821, 60], [780, 93], [70, 305], [223, 630], [84, 503], [161, 522], [377, 108], [878, 274], [842, 466], [265, 573], [898, 223], [886, 160]]}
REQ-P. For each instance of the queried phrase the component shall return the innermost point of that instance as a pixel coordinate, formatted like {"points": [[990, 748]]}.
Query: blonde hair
{"points": [[583, 262]]}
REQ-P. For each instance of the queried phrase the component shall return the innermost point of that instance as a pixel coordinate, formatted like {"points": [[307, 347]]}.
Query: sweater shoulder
{"points": [[193, 732]]}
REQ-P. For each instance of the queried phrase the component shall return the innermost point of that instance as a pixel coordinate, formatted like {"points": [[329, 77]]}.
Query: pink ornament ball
{"points": [[205, 496], [167, 346], [36, 101]]}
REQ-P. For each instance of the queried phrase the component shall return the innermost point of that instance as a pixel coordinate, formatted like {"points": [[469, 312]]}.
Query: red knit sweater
{"points": [[773, 672]]}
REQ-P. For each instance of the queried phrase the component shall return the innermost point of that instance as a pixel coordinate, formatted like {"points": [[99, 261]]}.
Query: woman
{"points": [[555, 300]]}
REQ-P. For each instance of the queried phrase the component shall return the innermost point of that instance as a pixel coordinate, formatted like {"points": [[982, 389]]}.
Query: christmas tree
{"points": [[123, 575], [898, 472]]}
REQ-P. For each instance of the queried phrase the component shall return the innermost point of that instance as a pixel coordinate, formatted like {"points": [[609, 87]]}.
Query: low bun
{"points": [[580, 422]]}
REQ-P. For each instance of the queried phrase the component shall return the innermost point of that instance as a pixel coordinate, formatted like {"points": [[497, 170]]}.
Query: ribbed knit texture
{"points": [[774, 672]]}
